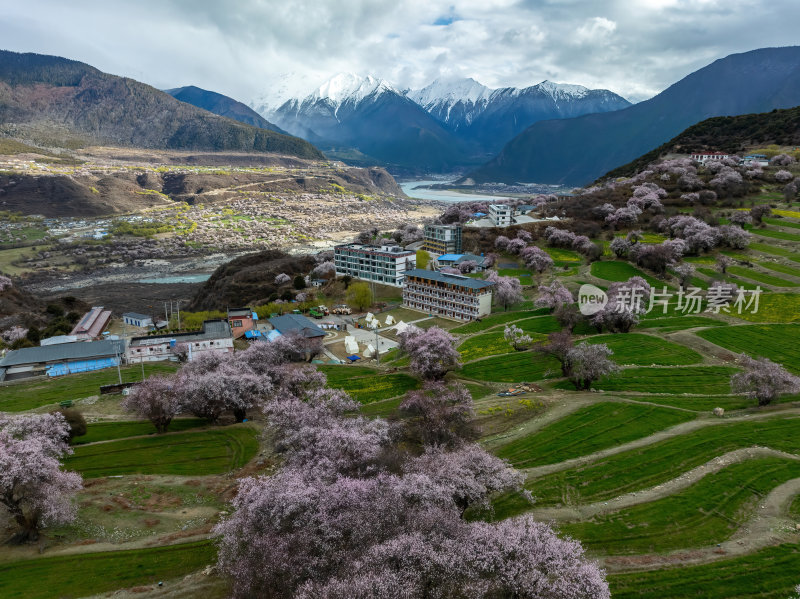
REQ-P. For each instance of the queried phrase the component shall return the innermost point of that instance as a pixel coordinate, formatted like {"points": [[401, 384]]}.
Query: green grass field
{"points": [[635, 348], [512, 368], [494, 320], [705, 513], [589, 430], [782, 222], [366, 385], [185, 453], [679, 322], [41, 392], [774, 234], [761, 277], [769, 574], [701, 403], [775, 251], [616, 270], [81, 575], [773, 307], [782, 268], [701, 380], [562, 255], [107, 431], [778, 342], [483, 345], [654, 464]]}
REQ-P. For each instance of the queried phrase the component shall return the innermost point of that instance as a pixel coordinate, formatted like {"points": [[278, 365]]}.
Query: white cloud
{"points": [[633, 47]]}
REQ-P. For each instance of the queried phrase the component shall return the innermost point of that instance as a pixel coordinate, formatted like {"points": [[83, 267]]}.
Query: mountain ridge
{"points": [[579, 150], [222, 105], [61, 102]]}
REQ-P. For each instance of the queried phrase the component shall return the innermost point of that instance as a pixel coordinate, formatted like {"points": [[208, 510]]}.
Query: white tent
{"points": [[389, 320], [350, 344], [401, 327], [370, 351]]}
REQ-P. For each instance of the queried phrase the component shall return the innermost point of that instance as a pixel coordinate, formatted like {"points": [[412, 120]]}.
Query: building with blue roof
{"points": [[296, 323]]}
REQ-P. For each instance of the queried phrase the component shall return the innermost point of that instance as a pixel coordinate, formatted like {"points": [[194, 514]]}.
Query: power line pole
{"points": [[178, 304], [377, 347]]}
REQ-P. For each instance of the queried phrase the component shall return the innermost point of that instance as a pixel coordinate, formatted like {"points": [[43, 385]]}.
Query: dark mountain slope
{"points": [[576, 151], [55, 101], [725, 134], [223, 106]]}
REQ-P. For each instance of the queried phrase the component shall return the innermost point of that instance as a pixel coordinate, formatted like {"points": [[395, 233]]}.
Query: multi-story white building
{"points": [[443, 239], [502, 215], [446, 295], [386, 264]]}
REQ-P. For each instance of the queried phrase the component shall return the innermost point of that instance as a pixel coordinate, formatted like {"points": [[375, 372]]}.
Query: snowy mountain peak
{"points": [[562, 90], [350, 87], [450, 91]]}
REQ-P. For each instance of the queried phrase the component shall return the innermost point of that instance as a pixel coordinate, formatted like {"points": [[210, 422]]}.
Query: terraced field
{"points": [[635, 348], [702, 380], [185, 453], [655, 464], [588, 430], [778, 342], [706, 513], [366, 385]]}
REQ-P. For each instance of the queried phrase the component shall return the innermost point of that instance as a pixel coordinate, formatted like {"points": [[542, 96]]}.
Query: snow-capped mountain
{"points": [[459, 100], [462, 119], [350, 112], [491, 117]]}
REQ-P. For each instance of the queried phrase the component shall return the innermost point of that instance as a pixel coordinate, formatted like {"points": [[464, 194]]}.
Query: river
{"points": [[443, 195]]}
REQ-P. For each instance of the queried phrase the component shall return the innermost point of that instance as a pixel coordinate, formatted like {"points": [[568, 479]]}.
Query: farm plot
{"points": [[93, 573], [494, 320], [513, 368], [678, 323], [635, 348], [705, 403], [778, 342], [654, 464], [107, 431], [781, 268], [42, 392], [761, 277], [769, 574], [486, 344], [773, 307], [774, 234], [616, 270], [589, 430], [775, 250], [705, 513], [702, 380], [207, 452], [367, 385], [782, 222]]}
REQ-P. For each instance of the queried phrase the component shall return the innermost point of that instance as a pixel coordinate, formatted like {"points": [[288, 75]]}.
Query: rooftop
{"points": [[448, 278], [212, 329], [385, 249], [246, 312], [137, 316], [63, 351], [296, 322]]}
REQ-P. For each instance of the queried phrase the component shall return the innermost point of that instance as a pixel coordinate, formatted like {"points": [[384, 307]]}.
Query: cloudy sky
{"points": [[246, 48]]}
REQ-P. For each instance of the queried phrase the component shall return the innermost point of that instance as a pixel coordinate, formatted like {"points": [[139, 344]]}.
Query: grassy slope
{"points": [[27, 396], [588, 430], [73, 576], [778, 342], [657, 463], [705, 513], [186, 453]]}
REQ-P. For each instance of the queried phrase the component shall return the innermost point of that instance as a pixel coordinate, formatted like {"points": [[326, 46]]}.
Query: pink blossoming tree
{"points": [[33, 487]]}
